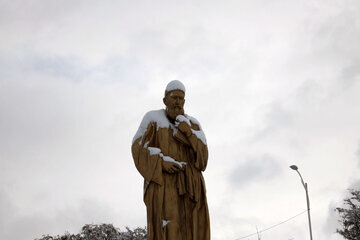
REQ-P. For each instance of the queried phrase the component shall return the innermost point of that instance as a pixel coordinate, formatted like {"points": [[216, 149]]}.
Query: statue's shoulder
{"points": [[193, 120], [195, 125], [155, 116]]}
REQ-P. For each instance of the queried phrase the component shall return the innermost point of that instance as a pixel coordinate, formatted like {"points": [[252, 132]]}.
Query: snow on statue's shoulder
{"points": [[193, 120], [156, 116], [199, 134], [159, 117]]}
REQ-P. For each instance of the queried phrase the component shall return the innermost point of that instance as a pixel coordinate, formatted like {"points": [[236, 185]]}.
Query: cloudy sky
{"points": [[273, 83]]}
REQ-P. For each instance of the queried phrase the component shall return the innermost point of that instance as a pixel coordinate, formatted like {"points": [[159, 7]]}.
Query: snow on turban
{"points": [[174, 85]]}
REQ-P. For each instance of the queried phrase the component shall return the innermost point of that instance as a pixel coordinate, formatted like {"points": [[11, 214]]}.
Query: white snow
{"points": [[165, 222], [174, 128], [175, 85], [200, 135], [157, 151], [193, 120], [170, 159], [154, 150], [159, 117], [182, 118]]}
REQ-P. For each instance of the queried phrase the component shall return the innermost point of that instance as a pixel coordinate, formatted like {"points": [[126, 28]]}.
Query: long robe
{"points": [[176, 203]]}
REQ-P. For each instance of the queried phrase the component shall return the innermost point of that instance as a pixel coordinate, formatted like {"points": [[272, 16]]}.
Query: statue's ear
{"points": [[164, 101]]}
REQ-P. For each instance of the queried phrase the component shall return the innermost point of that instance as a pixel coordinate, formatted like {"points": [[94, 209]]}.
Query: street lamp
{"points": [[294, 167]]}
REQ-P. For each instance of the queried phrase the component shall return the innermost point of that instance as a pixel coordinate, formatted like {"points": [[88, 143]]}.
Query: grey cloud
{"points": [[7, 210], [355, 185], [358, 153], [34, 225], [350, 75], [69, 68], [309, 92], [275, 119], [340, 33], [255, 169], [41, 14], [331, 223]]}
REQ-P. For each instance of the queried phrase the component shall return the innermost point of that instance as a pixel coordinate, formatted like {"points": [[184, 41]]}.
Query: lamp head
{"points": [[294, 167]]}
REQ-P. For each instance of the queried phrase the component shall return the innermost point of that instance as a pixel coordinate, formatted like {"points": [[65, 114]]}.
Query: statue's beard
{"points": [[174, 111]]}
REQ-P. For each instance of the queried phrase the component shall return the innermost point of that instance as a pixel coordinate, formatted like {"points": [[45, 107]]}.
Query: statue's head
{"points": [[174, 99]]}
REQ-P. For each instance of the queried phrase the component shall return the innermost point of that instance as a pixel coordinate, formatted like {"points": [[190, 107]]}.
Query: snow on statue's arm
{"points": [[194, 125], [197, 140], [157, 151]]}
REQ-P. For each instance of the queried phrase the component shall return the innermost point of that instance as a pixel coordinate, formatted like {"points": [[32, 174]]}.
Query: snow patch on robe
{"points": [[170, 159], [165, 222], [155, 151]]}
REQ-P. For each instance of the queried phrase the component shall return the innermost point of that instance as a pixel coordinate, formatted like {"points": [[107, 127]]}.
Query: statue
{"points": [[170, 152]]}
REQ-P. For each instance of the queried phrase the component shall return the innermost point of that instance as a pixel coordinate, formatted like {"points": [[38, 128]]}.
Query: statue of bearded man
{"points": [[170, 152]]}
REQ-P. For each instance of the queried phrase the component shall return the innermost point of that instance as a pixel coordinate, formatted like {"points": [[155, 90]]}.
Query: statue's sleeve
{"points": [[198, 143], [146, 162]]}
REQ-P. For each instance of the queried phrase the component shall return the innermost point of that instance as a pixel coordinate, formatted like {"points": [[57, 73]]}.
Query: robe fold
{"points": [[176, 203]]}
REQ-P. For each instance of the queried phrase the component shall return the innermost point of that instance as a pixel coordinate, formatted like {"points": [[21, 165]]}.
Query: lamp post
{"points": [[294, 167]]}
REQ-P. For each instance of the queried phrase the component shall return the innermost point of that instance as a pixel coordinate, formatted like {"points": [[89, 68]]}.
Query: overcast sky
{"points": [[273, 83]]}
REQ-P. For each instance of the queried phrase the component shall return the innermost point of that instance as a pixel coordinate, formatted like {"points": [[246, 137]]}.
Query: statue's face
{"points": [[174, 102]]}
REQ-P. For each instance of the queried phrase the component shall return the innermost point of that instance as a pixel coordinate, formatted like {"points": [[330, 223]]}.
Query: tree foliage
{"points": [[350, 217], [101, 232]]}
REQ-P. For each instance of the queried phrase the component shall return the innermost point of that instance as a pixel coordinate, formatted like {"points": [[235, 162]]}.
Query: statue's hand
{"points": [[170, 167], [185, 129]]}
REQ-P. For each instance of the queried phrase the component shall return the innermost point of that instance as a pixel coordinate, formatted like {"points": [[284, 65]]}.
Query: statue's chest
{"points": [[176, 149]]}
